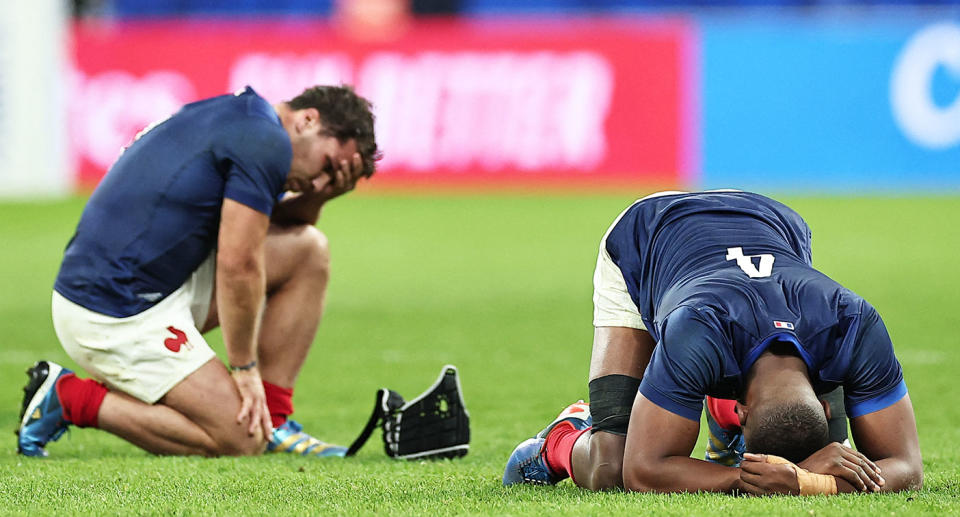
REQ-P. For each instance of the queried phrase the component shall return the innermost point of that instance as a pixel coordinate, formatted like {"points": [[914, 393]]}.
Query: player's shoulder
{"points": [[246, 109], [691, 325], [854, 306], [251, 128]]}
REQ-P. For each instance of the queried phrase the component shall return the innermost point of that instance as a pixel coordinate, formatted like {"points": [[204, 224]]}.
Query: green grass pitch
{"points": [[501, 287]]}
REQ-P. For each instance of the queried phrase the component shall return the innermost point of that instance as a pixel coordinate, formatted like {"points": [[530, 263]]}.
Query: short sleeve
{"points": [[685, 364], [258, 160], [874, 379], [805, 246]]}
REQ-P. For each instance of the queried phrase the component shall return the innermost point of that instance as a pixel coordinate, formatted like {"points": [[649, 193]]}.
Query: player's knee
{"points": [[315, 252], [239, 444], [234, 440]]}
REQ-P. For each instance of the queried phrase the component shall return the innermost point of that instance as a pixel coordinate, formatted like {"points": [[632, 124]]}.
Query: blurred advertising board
{"points": [[823, 104], [592, 102]]}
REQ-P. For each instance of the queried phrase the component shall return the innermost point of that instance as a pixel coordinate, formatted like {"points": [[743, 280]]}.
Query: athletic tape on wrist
{"points": [[809, 482]]}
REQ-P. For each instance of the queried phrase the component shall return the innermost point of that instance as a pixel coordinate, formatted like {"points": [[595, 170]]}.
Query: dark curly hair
{"points": [[793, 431], [346, 116]]}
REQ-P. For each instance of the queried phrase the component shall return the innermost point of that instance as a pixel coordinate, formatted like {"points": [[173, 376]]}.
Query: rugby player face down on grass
{"points": [[206, 220], [725, 285]]}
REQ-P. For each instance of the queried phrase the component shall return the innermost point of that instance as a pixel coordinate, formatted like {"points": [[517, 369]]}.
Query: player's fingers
{"points": [[749, 489], [865, 463], [357, 165], [865, 473], [755, 468], [265, 421], [348, 175], [320, 182], [245, 403], [750, 483], [761, 458], [855, 458], [852, 474], [255, 414]]}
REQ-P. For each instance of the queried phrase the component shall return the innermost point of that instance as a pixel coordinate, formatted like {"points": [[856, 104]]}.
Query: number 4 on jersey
{"points": [[746, 263]]}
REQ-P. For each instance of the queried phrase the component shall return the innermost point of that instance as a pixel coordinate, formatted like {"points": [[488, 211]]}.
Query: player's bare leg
{"points": [[592, 457], [598, 461], [298, 269], [597, 457], [198, 416]]}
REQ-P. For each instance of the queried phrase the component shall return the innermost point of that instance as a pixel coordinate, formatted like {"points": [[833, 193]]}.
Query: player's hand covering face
{"points": [[339, 177], [321, 162]]}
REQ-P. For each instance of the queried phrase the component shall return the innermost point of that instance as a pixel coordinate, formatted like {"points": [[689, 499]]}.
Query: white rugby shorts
{"points": [[612, 305], [147, 354]]}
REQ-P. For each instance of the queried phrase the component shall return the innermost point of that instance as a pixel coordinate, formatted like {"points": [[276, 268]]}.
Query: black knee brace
{"points": [[611, 400]]}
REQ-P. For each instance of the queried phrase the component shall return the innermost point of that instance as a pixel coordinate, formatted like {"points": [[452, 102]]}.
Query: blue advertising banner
{"points": [[831, 104]]}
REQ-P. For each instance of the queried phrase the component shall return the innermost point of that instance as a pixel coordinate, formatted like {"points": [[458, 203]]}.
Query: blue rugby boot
{"points": [[41, 417], [528, 462], [577, 414], [290, 437], [724, 446]]}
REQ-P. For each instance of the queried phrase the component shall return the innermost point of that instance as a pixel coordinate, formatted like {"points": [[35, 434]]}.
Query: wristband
{"points": [[249, 366], [810, 483]]}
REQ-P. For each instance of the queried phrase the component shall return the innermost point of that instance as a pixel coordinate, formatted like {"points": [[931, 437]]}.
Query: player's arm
{"points": [[298, 208], [831, 470], [657, 454], [304, 207], [889, 438], [240, 291], [883, 430], [888, 460]]}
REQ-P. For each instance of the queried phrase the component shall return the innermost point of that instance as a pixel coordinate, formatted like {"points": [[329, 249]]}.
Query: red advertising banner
{"points": [[590, 102]]}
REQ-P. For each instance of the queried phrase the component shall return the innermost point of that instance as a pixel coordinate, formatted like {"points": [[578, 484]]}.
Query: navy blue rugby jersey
{"points": [[718, 276], [155, 216]]}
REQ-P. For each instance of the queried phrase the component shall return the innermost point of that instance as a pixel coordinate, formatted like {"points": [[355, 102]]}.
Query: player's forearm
{"points": [[298, 209], [240, 298], [897, 475], [679, 474]]}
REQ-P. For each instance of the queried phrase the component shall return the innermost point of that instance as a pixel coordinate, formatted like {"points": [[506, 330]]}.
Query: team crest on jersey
{"points": [[783, 325]]}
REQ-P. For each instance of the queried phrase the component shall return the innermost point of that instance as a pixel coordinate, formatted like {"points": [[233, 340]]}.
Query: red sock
{"points": [[559, 448], [80, 399], [279, 402]]}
